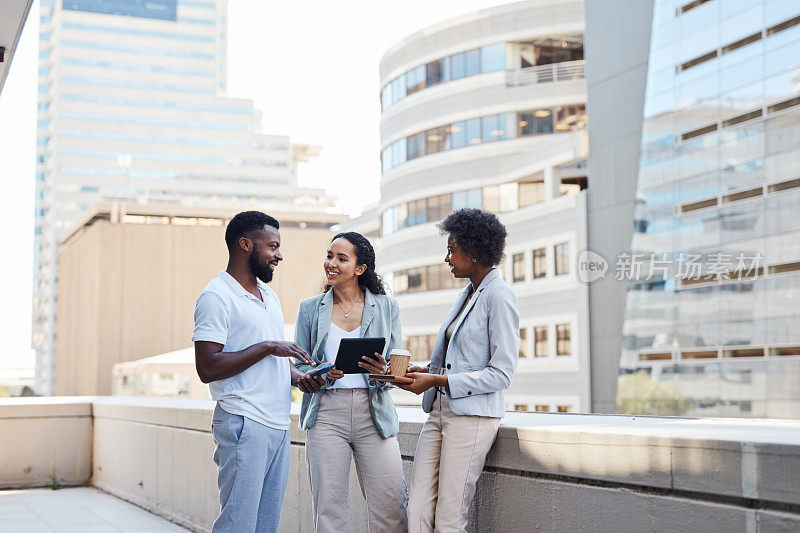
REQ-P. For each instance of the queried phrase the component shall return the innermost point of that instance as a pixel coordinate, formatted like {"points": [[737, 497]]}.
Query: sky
{"points": [[311, 67]]}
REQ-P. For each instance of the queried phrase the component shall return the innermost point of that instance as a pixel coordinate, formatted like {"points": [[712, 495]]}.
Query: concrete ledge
{"points": [[45, 441], [545, 472]]}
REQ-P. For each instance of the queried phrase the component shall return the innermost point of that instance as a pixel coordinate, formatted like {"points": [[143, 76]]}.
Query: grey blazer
{"points": [[381, 318], [482, 355]]}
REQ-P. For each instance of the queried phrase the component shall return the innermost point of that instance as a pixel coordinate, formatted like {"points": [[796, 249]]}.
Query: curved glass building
{"points": [[488, 110]]}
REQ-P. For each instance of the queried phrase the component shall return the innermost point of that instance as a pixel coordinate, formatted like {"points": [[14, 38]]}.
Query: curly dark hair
{"points": [[479, 233], [245, 223], [365, 255]]}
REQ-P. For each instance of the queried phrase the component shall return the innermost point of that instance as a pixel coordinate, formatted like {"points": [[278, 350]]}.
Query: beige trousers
{"points": [[450, 455], [343, 431]]}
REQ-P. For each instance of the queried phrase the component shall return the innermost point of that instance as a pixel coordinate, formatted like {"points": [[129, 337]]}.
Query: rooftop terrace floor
{"points": [[81, 509]]}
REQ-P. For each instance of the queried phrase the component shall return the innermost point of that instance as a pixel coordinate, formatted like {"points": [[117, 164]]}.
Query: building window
{"points": [[536, 122], [416, 212], [563, 340], [564, 409], [539, 263], [531, 192], [436, 139], [523, 343], [415, 80], [540, 348], [437, 71], [562, 258], [439, 207], [522, 407], [542, 408], [570, 117], [493, 58], [494, 128], [518, 267], [426, 278], [416, 146]]}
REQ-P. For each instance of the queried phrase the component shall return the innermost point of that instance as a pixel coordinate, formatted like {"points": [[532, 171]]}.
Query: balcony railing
{"points": [[568, 70]]}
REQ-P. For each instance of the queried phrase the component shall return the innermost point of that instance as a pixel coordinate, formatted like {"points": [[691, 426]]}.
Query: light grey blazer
{"points": [[482, 355], [381, 318]]}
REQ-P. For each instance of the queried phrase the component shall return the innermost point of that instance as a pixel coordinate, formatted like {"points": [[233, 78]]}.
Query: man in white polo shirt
{"points": [[241, 353]]}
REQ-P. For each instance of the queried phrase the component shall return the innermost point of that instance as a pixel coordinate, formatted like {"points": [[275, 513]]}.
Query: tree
{"points": [[639, 394]]}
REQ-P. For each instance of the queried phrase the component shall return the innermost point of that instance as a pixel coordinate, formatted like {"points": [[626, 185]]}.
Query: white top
{"points": [[335, 336], [227, 314]]}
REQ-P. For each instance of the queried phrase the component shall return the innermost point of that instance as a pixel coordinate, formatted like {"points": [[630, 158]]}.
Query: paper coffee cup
{"points": [[398, 362]]}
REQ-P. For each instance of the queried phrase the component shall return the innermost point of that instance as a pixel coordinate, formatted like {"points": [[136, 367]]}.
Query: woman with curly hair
{"points": [[351, 417], [473, 361]]}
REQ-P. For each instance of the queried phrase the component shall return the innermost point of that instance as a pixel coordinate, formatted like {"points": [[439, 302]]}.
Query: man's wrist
{"points": [[267, 348], [440, 380]]}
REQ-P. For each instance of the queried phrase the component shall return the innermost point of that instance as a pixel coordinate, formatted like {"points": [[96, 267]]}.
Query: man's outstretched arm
{"points": [[213, 364]]}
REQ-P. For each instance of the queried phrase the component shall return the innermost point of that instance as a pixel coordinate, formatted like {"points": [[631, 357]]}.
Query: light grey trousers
{"points": [[344, 431], [450, 455]]}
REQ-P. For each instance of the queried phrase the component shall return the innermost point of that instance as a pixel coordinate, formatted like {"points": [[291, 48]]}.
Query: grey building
{"points": [[709, 193], [488, 110], [131, 106]]}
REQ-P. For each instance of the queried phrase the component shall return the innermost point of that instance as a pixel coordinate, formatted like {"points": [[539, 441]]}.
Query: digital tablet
{"points": [[352, 350]]}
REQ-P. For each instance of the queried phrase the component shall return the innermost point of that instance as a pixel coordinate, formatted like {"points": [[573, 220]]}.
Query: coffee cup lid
{"points": [[398, 351]]}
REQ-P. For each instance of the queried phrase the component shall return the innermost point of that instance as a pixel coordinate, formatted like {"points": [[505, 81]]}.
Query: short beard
{"points": [[264, 273]]}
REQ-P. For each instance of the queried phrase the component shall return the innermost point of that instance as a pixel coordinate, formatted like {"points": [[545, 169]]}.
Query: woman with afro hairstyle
{"points": [[351, 417], [473, 361]]}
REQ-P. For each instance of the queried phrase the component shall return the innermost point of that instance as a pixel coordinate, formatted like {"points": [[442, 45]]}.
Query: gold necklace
{"points": [[347, 313]]}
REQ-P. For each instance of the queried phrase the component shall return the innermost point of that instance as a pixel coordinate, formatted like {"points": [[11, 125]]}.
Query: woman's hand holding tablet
{"points": [[353, 353]]}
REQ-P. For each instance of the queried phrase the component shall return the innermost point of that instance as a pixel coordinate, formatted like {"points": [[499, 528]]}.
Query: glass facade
{"points": [[502, 198], [154, 9], [718, 180], [461, 65], [491, 128]]}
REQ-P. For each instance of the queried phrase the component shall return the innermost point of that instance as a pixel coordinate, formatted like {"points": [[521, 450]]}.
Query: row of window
{"points": [[421, 346], [139, 33], [193, 124], [495, 198], [228, 161], [477, 61], [543, 408], [113, 100], [561, 263], [482, 130], [130, 84], [168, 52], [114, 136], [541, 344], [136, 67], [425, 278], [151, 174]]}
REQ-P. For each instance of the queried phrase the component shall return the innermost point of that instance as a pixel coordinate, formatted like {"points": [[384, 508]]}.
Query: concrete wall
{"points": [[617, 47], [45, 438], [546, 472], [127, 291]]}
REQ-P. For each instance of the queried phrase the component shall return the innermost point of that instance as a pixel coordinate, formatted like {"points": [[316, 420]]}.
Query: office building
{"points": [[711, 325], [131, 106], [488, 110], [129, 276]]}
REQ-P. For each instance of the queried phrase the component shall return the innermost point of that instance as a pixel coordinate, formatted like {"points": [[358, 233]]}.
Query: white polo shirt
{"points": [[227, 314]]}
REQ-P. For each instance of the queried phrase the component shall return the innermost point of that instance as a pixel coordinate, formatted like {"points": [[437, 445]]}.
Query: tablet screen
{"points": [[352, 350]]}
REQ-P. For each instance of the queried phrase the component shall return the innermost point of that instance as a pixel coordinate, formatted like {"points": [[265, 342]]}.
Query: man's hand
{"points": [[423, 382], [288, 349], [304, 382], [418, 369], [374, 365], [334, 374]]}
